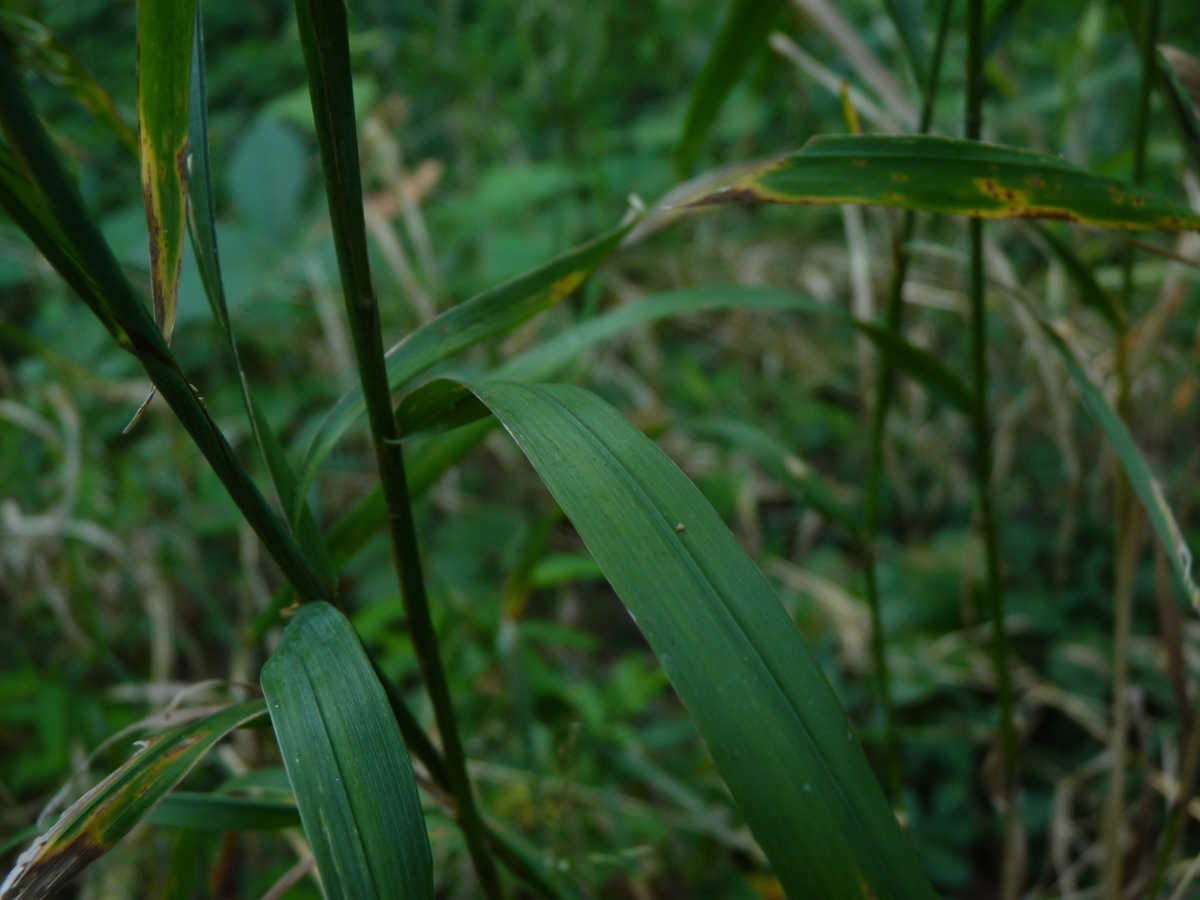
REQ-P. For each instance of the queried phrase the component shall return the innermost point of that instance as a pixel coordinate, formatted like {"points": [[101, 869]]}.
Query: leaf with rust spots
{"points": [[947, 175], [105, 814]]}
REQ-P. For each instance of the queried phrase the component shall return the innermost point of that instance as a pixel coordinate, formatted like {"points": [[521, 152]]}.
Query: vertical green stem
{"points": [[893, 320], [1011, 874], [324, 37], [1127, 517]]}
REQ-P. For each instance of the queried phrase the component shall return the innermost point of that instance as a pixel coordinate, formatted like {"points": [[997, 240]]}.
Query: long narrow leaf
{"points": [[909, 18], [920, 364], [214, 812], [346, 762], [203, 229], [743, 33], [1181, 86], [772, 723], [1139, 474], [106, 813], [947, 175], [490, 314]]}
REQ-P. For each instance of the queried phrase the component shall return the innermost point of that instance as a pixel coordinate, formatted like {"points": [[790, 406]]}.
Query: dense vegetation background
{"points": [[522, 128]]}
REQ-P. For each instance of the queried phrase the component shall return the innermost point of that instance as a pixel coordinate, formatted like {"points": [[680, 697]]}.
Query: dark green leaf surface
{"points": [[164, 55], [921, 365], [743, 33], [909, 18], [762, 704], [215, 812], [1140, 477], [1175, 66], [1090, 290], [491, 314], [346, 762], [106, 813], [203, 229], [947, 175]]}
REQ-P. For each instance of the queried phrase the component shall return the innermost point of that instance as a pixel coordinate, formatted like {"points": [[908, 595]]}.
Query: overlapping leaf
{"points": [[346, 762], [947, 175], [773, 725], [106, 813], [217, 812]]}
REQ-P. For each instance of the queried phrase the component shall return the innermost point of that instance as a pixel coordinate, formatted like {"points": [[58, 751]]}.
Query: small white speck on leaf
{"points": [[679, 527]]}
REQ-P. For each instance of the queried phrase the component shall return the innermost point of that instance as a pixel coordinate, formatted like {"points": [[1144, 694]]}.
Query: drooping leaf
{"points": [[743, 33], [216, 812], [488, 315], [1136, 469], [203, 230], [45, 52], [1090, 290], [909, 19], [346, 762], [947, 175], [772, 723], [106, 813], [1181, 86], [164, 71]]}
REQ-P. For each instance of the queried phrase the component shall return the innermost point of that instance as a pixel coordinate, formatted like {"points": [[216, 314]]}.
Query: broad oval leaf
{"points": [[947, 175], [493, 313], [106, 813], [773, 725], [346, 762]]}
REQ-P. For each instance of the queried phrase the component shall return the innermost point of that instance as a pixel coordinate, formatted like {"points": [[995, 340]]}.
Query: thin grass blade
{"points": [[921, 365], [772, 723], [1090, 291], [1181, 86], [105, 814], [743, 33], [215, 812], [947, 175], [346, 761], [909, 19]]}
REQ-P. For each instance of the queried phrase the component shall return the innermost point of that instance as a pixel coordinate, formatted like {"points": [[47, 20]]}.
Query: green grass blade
{"points": [[346, 762], [1175, 66], [909, 19], [947, 175], [181, 870], [491, 314], [203, 229], [921, 365], [772, 723], [42, 50], [214, 812], [1090, 291], [743, 33], [164, 70], [1136, 469], [93, 825]]}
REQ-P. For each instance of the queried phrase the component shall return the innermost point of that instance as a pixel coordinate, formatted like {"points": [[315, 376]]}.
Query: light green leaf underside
{"points": [[771, 721], [104, 815], [346, 762], [490, 314], [1144, 483], [947, 175]]}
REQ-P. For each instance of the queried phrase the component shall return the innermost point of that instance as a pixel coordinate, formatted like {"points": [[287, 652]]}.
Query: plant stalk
{"points": [[1127, 515], [894, 317], [1011, 875], [324, 37]]}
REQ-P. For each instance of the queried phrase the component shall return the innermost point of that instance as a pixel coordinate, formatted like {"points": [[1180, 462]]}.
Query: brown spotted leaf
{"points": [[947, 175], [106, 813]]}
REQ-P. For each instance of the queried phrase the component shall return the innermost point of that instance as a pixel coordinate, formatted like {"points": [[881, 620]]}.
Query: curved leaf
{"points": [[214, 812], [1181, 86], [346, 762], [488, 315], [772, 723], [743, 32], [947, 175], [920, 364], [106, 813]]}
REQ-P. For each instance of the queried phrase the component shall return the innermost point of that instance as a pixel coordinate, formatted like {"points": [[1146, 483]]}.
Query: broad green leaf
{"points": [[45, 52], [921, 365], [106, 813], [488, 315], [217, 812], [1181, 86], [743, 33], [947, 175], [346, 762], [1144, 483], [781, 462], [1090, 290], [203, 229], [164, 69], [771, 722]]}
